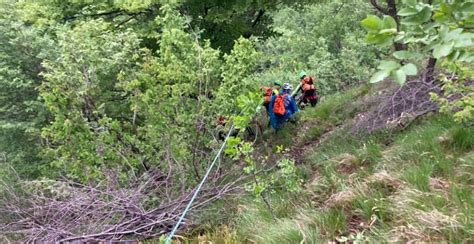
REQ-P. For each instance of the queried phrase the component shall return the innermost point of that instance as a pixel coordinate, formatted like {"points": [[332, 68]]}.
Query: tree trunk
{"points": [[430, 67], [259, 17], [391, 10]]}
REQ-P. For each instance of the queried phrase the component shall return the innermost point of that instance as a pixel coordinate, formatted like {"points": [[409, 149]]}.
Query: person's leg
{"points": [[305, 99], [221, 135], [293, 119], [235, 133]]}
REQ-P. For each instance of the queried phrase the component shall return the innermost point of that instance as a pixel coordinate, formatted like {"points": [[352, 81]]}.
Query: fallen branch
{"points": [[399, 109]]}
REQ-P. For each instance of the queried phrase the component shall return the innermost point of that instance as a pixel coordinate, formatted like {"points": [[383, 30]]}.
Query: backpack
{"points": [[279, 105], [308, 87], [309, 80], [268, 94], [308, 84]]}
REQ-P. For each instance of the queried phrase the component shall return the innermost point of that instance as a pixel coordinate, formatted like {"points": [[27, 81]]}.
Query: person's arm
{"points": [[270, 107], [293, 106], [295, 92], [273, 119]]}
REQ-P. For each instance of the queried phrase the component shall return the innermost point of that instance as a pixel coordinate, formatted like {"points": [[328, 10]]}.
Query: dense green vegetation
{"points": [[109, 117]]}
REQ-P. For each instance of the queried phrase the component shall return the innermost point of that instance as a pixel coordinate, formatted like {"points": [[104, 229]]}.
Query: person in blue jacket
{"points": [[291, 108]]}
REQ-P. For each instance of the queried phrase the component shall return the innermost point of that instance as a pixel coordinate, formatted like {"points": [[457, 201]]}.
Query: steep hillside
{"points": [[411, 184], [139, 121]]}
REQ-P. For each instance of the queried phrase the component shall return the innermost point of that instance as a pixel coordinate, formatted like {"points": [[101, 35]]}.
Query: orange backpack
{"points": [[308, 84], [279, 105], [268, 94]]}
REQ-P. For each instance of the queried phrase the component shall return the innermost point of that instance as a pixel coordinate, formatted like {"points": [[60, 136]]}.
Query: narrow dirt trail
{"points": [[301, 148]]}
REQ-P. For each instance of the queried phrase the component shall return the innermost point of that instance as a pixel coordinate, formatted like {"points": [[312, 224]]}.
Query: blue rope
{"points": [[168, 240]]}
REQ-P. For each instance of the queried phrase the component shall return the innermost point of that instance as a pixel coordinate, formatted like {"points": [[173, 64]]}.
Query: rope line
{"points": [[181, 218]]}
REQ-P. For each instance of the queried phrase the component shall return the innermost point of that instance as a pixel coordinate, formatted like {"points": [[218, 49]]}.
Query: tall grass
{"points": [[463, 138], [332, 111]]}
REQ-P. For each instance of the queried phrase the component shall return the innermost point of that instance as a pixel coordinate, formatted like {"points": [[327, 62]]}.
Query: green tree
{"points": [[118, 106], [80, 91], [322, 39], [22, 114], [221, 22]]}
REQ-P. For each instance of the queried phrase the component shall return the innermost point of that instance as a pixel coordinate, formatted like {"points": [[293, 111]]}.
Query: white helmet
{"points": [[287, 86]]}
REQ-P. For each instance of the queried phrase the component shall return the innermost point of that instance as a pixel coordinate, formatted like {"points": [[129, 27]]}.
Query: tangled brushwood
{"points": [[65, 211], [398, 109]]}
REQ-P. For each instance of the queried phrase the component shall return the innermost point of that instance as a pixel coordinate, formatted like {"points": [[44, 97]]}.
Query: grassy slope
{"points": [[412, 185]]}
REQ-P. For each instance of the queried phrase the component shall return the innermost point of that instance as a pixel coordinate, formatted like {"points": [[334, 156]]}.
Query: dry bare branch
{"points": [[66, 211]]}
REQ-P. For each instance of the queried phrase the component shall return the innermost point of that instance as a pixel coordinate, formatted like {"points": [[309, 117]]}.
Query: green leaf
{"points": [[379, 76], [431, 45], [454, 55], [425, 14], [372, 22], [410, 69], [407, 12], [429, 26], [241, 122], [443, 31], [462, 43], [441, 15], [231, 151], [404, 55], [379, 39], [419, 18], [467, 8], [410, 2], [464, 40], [233, 141], [466, 57], [388, 65], [389, 22], [400, 36], [454, 34], [443, 50], [469, 22], [258, 190], [399, 76], [391, 31]]}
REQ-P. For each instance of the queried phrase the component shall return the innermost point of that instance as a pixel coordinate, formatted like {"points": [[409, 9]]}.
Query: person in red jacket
{"points": [[308, 88]]}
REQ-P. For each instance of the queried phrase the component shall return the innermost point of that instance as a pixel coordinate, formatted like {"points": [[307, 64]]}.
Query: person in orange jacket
{"points": [[308, 88], [269, 92]]}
